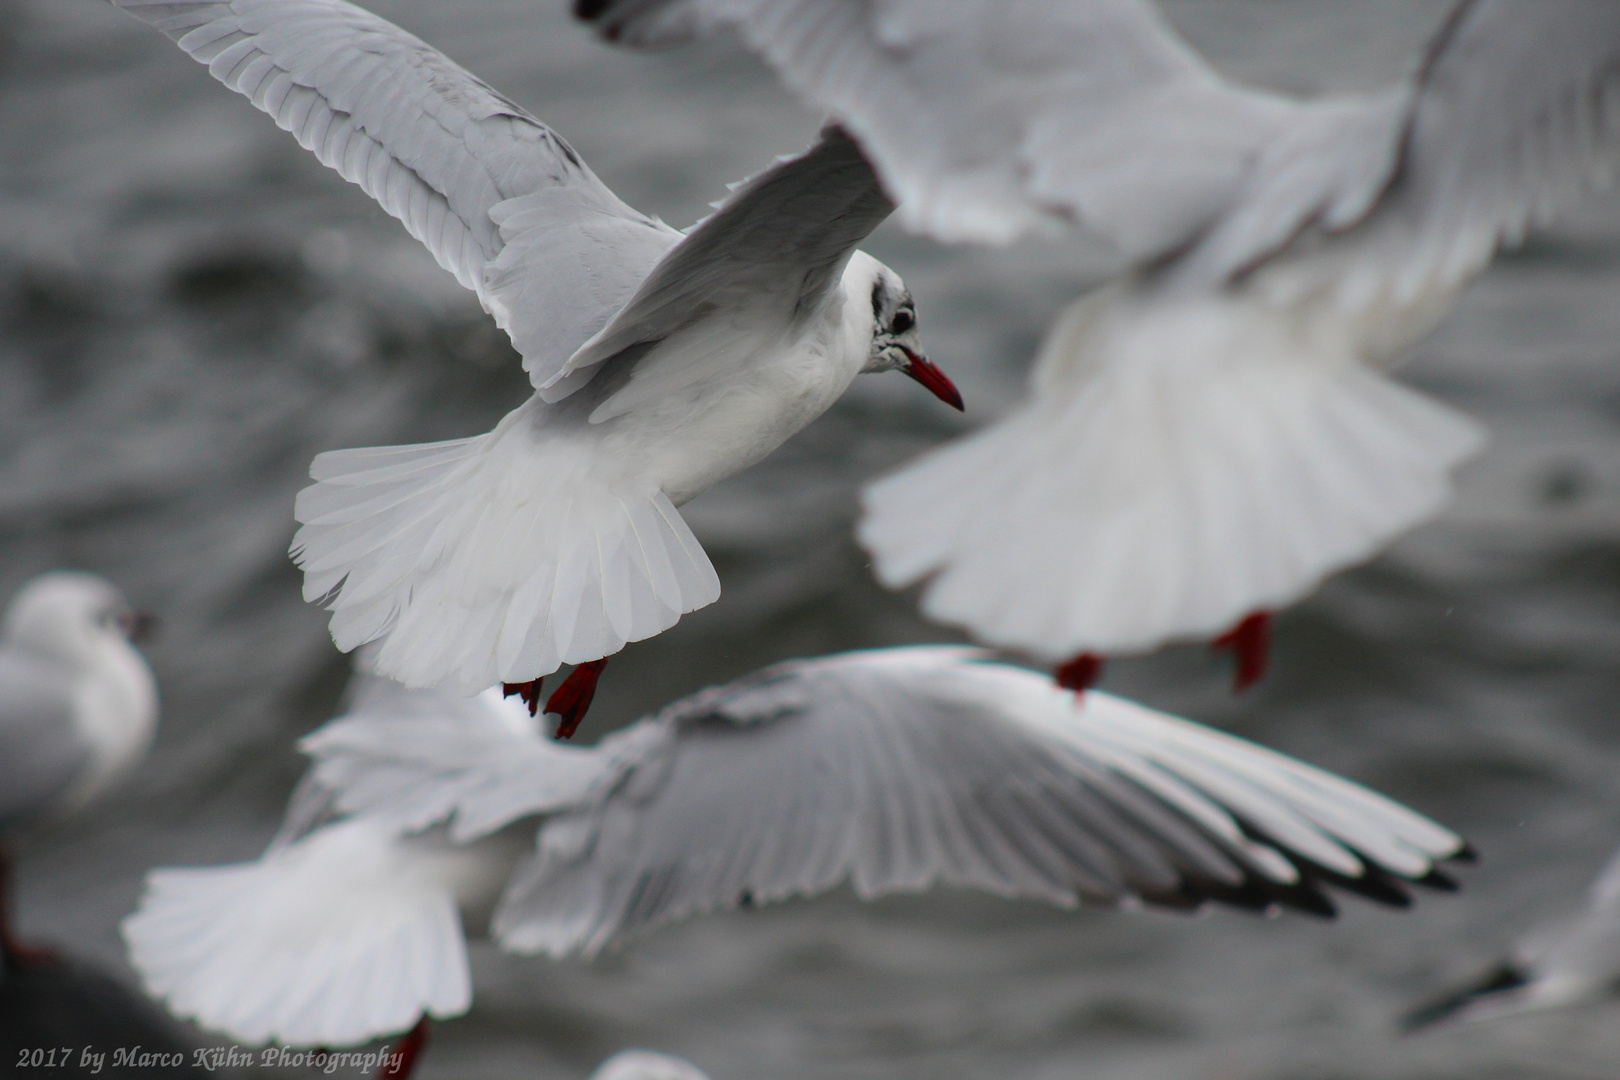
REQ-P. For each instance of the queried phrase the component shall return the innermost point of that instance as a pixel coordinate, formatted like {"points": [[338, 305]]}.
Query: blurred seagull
{"points": [[1570, 961], [78, 707], [662, 362], [894, 770], [1213, 432]]}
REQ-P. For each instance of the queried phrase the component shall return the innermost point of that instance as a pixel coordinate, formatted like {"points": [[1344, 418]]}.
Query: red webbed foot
{"points": [[1081, 673], [399, 1063], [1250, 643], [22, 954], [574, 696], [14, 951], [528, 691]]}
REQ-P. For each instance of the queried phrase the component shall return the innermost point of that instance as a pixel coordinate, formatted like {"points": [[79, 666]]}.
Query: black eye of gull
{"points": [[903, 321]]}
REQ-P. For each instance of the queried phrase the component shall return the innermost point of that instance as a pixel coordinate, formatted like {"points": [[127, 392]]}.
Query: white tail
{"points": [[1179, 465], [493, 559], [336, 939]]}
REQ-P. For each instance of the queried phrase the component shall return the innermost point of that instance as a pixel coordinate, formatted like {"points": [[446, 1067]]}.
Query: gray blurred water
{"points": [[191, 308]]}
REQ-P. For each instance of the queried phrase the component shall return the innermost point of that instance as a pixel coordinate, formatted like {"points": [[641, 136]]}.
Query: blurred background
{"points": [[191, 308]]}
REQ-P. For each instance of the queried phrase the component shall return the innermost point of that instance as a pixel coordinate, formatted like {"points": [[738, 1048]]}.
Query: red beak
{"points": [[937, 382]]}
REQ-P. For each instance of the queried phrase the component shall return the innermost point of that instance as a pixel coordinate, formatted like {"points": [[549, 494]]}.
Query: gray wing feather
{"points": [[988, 119], [1517, 109], [899, 769], [984, 118], [501, 201], [40, 750], [793, 226]]}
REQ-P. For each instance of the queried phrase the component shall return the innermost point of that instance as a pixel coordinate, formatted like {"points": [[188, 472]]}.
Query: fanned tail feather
{"points": [[330, 941], [492, 559], [1178, 467]]}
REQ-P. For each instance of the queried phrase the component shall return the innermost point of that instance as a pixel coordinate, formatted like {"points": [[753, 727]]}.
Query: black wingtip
{"points": [[1504, 976], [590, 10], [1439, 881], [1467, 854]]}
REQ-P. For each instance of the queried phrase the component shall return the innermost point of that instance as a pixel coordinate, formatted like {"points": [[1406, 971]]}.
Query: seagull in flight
{"points": [[1214, 431], [893, 770], [662, 362], [78, 708]]}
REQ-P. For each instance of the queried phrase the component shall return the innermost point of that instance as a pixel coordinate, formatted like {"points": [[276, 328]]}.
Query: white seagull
{"points": [[662, 362], [1570, 961], [78, 707], [1213, 432], [893, 770]]}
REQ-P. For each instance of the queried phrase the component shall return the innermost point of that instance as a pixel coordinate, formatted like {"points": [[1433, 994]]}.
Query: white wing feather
{"points": [[900, 769], [501, 201], [337, 938]]}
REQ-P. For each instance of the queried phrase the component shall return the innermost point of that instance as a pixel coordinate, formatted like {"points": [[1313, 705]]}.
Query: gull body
{"points": [[78, 708], [78, 703], [662, 361], [893, 770], [1214, 431]]}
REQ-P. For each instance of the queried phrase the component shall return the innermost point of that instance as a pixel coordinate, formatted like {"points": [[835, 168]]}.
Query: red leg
{"points": [[528, 691], [14, 951], [400, 1062], [1250, 642], [1081, 673], [574, 696]]}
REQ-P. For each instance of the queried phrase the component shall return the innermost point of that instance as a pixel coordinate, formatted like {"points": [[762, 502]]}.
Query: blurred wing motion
{"points": [[1573, 961], [895, 770], [1204, 437], [350, 926], [901, 769], [988, 119], [344, 935]]}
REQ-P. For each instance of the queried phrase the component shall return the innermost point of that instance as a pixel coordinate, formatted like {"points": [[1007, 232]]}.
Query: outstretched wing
{"points": [[782, 238], [1516, 109], [985, 117], [501, 201], [988, 119], [900, 769]]}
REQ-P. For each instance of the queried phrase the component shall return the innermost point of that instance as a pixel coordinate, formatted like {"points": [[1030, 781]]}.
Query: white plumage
{"points": [[1213, 432], [78, 708], [78, 703], [894, 770], [662, 362]]}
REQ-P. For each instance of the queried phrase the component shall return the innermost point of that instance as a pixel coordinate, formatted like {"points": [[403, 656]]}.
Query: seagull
{"points": [[1565, 962], [1213, 431], [78, 707], [894, 770], [662, 362]]}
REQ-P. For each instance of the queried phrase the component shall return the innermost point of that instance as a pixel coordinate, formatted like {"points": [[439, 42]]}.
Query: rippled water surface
{"points": [[191, 308]]}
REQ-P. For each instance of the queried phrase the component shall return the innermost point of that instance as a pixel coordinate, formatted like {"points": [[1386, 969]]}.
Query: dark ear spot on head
{"points": [[879, 293]]}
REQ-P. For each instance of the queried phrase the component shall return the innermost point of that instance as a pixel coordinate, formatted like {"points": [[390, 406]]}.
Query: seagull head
{"points": [[71, 617], [896, 344]]}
